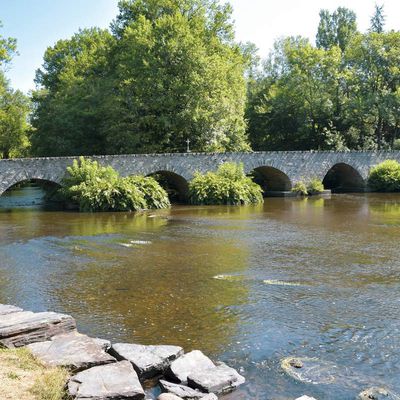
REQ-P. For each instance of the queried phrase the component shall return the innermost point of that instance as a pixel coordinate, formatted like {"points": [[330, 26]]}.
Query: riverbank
{"points": [[22, 377]]}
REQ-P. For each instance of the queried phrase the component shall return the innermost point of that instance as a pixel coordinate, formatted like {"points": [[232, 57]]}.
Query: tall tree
{"points": [[336, 29], [170, 71], [377, 24], [72, 96], [14, 108]]}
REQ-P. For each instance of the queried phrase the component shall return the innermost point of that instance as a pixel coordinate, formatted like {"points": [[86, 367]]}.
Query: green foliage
{"points": [[96, 188], [154, 195], [385, 177], [227, 186], [300, 188], [14, 127], [315, 186], [378, 20], [342, 94], [336, 29], [169, 71], [312, 187]]}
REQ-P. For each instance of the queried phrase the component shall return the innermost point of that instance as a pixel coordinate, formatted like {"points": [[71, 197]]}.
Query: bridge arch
{"points": [[342, 177], [175, 185], [271, 179], [46, 184]]}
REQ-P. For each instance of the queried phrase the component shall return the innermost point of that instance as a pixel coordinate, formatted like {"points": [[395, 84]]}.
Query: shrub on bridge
{"points": [[385, 177], [93, 187], [227, 186]]}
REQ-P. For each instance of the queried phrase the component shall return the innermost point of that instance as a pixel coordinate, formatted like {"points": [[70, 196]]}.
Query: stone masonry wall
{"points": [[297, 165]]}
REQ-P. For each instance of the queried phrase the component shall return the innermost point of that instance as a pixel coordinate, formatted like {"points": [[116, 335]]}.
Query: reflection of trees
{"points": [[159, 292]]}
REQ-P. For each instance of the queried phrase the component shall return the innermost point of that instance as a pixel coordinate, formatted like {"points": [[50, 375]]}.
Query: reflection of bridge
{"points": [[276, 171]]}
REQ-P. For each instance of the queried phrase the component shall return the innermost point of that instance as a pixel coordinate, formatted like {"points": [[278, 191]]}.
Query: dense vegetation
{"points": [[92, 187], [312, 187], [168, 71], [385, 177], [14, 108], [227, 186], [341, 94], [171, 71]]}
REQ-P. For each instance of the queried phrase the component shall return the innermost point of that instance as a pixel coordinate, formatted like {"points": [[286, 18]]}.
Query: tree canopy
{"points": [[168, 72]]}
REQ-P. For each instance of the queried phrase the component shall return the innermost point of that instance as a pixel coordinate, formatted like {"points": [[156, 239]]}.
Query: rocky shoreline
{"points": [[100, 370]]}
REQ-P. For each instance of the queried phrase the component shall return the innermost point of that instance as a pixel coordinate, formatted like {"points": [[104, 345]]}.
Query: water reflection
{"points": [[313, 277]]}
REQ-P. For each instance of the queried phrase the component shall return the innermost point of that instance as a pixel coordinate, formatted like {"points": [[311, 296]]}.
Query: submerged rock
{"points": [[19, 329], [181, 391], [6, 309], [219, 379], [148, 361], [107, 382], [377, 393], [189, 363], [73, 351], [306, 398], [310, 370]]}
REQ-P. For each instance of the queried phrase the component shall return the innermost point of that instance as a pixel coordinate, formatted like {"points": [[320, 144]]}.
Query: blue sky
{"points": [[38, 24]]}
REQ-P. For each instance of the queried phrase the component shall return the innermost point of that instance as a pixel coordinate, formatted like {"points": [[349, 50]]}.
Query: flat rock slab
{"points": [[115, 381], [148, 361], [73, 351], [22, 328], [168, 396], [182, 391], [6, 309], [220, 379], [189, 363]]}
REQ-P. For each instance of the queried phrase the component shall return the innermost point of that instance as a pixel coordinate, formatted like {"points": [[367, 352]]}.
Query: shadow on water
{"points": [[316, 278]]}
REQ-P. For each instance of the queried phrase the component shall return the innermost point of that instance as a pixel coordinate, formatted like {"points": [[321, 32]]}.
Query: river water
{"points": [[247, 285]]}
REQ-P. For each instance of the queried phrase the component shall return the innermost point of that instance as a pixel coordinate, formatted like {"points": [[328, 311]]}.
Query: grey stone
{"points": [[116, 381], [191, 362], [7, 309], [22, 328], [73, 351], [377, 393], [103, 343], [220, 379], [210, 396], [185, 392], [312, 370], [148, 361], [168, 396]]}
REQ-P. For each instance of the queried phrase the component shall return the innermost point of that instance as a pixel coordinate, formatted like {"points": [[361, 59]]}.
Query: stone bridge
{"points": [[275, 171]]}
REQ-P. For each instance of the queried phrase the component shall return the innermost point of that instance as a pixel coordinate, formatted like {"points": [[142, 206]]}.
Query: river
{"points": [[247, 285]]}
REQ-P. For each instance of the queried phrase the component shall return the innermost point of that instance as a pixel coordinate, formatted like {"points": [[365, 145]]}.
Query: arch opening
{"points": [[175, 185], [343, 178], [28, 193], [271, 179]]}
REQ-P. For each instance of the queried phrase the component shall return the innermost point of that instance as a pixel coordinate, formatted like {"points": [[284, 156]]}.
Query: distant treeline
{"points": [[168, 71]]}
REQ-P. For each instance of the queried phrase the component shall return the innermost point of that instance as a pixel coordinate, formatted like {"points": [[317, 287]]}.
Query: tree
{"points": [[14, 108], [378, 20], [170, 71], [336, 29], [71, 100]]}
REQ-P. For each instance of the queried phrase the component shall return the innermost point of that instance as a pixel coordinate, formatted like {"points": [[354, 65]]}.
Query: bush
{"points": [[95, 188], [227, 186], [300, 188], [315, 186], [385, 177]]}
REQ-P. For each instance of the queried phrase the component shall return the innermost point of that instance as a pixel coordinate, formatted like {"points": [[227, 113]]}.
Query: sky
{"points": [[37, 24]]}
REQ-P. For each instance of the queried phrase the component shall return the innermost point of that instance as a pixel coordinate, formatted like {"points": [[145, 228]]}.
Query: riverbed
{"points": [[316, 277]]}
